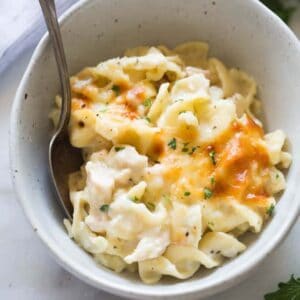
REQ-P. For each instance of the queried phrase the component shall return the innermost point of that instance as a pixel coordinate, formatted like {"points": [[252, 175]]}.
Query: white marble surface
{"points": [[21, 25], [28, 272]]}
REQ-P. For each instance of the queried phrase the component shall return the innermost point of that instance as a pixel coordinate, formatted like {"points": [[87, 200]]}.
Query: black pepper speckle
{"points": [[25, 96], [100, 35], [81, 124]]}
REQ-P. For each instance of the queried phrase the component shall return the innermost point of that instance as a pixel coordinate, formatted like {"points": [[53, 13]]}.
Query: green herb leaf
{"points": [[147, 102], [103, 110], [212, 155], [287, 291], [207, 193], [150, 206], [210, 225], [212, 180], [135, 199], [280, 8], [185, 149], [167, 201], [117, 149], [116, 89], [193, 150], [104, 208], [173, 144], [147, 119], [270, 210], [187, 193]]}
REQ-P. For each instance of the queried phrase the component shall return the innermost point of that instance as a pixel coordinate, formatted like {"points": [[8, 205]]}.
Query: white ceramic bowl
{"points": [[242, 33]]}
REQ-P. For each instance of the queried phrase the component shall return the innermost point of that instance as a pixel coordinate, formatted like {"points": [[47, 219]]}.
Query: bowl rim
{"points": [[65, 261]]}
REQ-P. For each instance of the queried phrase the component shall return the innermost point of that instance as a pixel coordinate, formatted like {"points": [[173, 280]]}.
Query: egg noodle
{"points": [[177, 164]]}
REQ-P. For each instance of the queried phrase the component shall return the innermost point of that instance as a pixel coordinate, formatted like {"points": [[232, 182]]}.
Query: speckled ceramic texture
{"points": [[242, 33]]}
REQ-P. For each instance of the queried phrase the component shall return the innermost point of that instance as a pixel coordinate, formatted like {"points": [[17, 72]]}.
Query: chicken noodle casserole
{"points": [[177, 164]]}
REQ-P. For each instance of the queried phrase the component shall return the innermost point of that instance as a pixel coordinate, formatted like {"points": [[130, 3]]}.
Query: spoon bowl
{"points": [[63, 160], [63, 157]]}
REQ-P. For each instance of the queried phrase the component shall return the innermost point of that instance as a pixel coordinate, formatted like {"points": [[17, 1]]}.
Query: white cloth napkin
{"points": [[21, 26]]}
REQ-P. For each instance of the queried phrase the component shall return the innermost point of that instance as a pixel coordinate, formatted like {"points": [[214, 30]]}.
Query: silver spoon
{"points": [[63, 157]]}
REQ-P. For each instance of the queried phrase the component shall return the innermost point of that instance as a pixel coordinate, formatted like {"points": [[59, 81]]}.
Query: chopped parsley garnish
{"points": [[116, 89], [210, 225], [117, 149], [193, 150], [167, 201], [150, 206], [104, 208], [173, 144], [207, 193], [147, 119], [147, 102], [277, 176], [103, 110], [185, 149], [212, 180], [270, 210], [212, 155], [287, 290], [186, 193], [135, 199]]}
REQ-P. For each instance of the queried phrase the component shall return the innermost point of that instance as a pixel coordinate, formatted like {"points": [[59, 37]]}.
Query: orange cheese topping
{"points": [[242, 163], [239, 168]]}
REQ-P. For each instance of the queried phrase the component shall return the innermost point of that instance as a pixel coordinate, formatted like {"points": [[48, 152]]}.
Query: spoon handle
{"points": [[49, 12]]}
